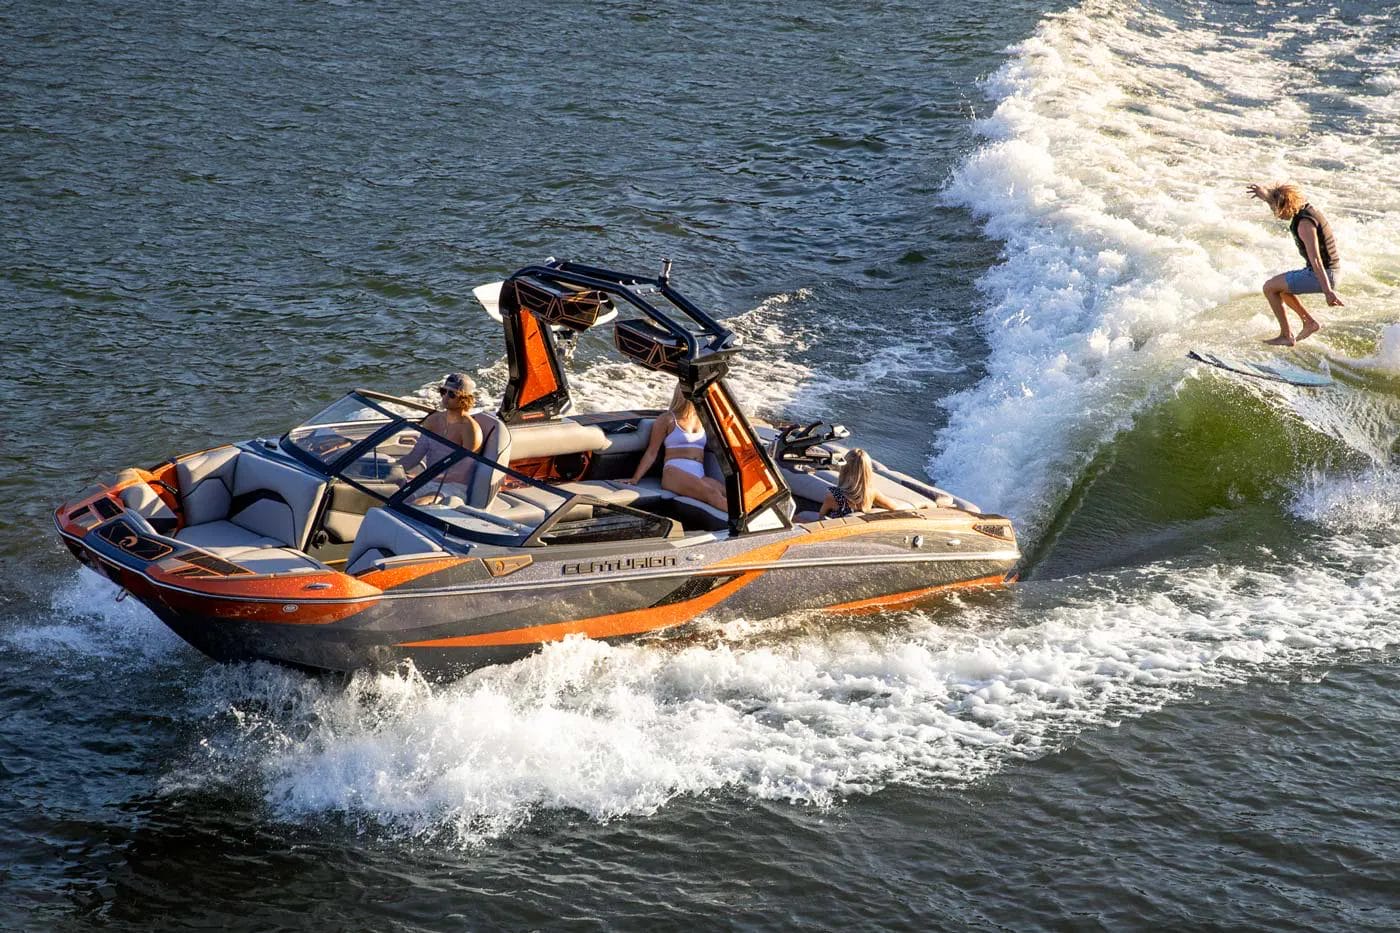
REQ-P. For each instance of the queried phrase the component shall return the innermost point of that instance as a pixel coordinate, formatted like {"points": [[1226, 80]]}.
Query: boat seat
{"points": [[223, 534], [248, 549], [383, 535], [140, 498], [230, 486], [483, 483], [249, 510], [556, 439], [646, 494], [496, 445], [530, 506], [619, 493], [630, 441], [267, 559]]}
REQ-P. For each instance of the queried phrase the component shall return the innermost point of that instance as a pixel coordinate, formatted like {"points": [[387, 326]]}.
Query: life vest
{"points": [[1326, 242]]}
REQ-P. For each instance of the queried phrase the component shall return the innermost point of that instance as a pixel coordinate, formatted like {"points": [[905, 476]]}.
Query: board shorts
{"points": [[1304, 281]]}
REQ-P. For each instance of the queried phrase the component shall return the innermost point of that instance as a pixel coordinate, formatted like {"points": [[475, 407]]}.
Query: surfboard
{"points": [[490, 297], [1265, 369]]}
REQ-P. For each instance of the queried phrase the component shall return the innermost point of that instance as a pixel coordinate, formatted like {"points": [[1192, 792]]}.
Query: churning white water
{"points": [[943, 697], [1114, 169]]}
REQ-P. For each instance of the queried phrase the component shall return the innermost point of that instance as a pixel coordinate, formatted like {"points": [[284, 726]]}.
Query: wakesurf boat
{"points": [[313, 550]]}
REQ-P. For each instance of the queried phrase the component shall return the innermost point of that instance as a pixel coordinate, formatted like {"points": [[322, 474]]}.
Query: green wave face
{"points": [[1218, 464]]}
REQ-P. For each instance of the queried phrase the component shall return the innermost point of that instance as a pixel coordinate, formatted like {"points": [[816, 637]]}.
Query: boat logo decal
{"points": [[618, 564]]}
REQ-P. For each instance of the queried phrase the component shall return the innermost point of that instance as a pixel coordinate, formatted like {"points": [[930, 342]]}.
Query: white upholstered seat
{"points": [[249, 509], [496, 447], [222, 534], [383, 535]]}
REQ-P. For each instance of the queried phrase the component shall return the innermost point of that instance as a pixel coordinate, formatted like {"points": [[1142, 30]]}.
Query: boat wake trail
{"points": [[805, 716]]}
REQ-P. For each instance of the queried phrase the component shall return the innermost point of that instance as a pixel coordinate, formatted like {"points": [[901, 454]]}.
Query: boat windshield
{"points": [[331, 433], [376, 444]]}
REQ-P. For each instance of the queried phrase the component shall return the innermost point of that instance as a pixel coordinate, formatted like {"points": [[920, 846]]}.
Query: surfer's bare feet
{"points": [[1282, 340], [1309, 328]]}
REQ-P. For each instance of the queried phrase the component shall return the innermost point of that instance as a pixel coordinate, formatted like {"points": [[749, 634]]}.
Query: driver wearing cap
{"points": [[455, 423]]}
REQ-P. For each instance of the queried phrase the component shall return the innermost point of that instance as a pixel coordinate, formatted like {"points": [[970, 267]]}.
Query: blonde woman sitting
{"points": [[679, 431], [854, 490]]}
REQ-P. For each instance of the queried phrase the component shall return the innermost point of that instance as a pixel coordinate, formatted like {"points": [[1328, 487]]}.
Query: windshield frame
{"points": [[519, 534]]}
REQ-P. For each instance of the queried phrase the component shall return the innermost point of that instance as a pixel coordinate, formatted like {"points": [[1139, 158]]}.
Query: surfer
{"points": [[1312, 234]]}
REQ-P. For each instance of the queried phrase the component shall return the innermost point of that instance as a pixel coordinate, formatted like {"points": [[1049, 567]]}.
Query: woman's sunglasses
{"points": [[453, 393]]}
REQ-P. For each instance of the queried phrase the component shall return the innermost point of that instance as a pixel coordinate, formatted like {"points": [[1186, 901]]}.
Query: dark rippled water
{"points": [[984, 238]]}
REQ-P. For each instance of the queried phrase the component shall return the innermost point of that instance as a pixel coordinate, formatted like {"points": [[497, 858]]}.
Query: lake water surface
{"points": [[982, 235]]}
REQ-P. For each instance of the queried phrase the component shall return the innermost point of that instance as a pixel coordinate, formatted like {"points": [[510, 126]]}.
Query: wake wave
{"points": [[1113, 170]]}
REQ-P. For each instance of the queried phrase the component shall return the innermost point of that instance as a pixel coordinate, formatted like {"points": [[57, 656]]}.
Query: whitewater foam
{"points": [[1367, 500], [812, 716], [89, 622], [1386, 358], [1113, 170]]}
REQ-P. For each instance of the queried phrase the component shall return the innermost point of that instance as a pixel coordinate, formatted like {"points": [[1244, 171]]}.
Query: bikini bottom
{"points": [[694, 467]]}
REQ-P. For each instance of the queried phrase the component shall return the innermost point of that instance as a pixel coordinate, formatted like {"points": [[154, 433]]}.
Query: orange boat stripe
{"points": [[632, 622]]}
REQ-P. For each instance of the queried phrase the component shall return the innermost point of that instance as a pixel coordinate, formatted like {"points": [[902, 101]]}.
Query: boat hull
{"points": [[451, 616]]}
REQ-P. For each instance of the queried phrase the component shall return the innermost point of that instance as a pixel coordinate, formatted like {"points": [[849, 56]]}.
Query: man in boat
{"points": [[1312, 234], [454, 422]]}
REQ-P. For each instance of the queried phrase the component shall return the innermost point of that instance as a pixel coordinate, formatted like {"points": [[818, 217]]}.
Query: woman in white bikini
{"points": [[679, 430]]}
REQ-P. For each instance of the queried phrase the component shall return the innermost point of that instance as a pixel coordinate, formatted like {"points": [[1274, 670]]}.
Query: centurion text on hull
{"points": [[312, 550]]}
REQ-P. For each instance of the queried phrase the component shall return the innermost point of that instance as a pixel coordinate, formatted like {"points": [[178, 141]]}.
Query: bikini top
{"points": [[680, 439]]}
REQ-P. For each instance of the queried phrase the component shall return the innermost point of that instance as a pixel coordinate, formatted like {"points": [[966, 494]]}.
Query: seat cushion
{"points": [[267, 559], [275, 500], [530, 504], [496, 447], [143, 500], [384, 534], [618, 493], [221, 534], [555, 438], [206, 484], [517, 509], [646, 494]]}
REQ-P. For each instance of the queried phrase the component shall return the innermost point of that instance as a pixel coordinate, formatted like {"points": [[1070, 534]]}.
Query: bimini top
{"points": [[672, 335]]}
